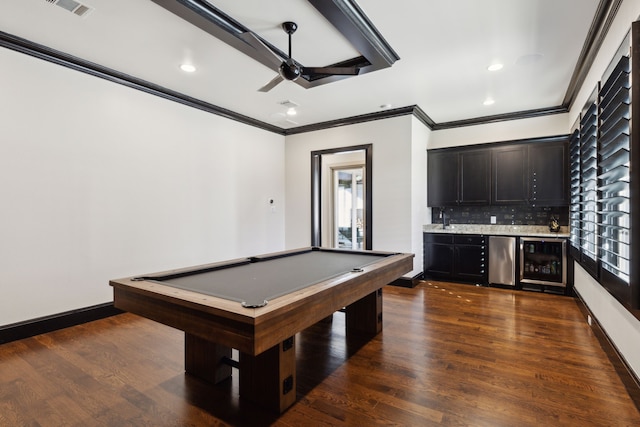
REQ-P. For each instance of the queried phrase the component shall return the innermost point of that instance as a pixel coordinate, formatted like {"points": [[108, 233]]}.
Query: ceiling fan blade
{"points": [[340, 71], [266, 88], [264, 50]]}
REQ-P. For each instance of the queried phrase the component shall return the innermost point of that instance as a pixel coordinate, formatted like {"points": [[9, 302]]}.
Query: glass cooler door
{"points": [[543, 261]]}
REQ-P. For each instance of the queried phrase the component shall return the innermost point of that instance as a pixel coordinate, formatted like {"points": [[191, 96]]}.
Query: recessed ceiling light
{"points": [[188, 68], [291, 111], [488, 101], [495, 67]]}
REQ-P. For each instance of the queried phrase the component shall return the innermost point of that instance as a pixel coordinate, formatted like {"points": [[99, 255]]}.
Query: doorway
{"points": [[347, 208], [341, 197]]}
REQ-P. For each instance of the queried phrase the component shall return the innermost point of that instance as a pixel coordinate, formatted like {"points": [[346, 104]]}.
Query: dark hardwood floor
{"points": [[450, 355]]}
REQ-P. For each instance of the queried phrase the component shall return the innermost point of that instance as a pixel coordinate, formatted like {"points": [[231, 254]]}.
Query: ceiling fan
{"points": [[288, 68]]}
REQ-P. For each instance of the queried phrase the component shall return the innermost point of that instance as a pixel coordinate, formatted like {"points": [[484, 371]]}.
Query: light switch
{"points": [[493, 219]]}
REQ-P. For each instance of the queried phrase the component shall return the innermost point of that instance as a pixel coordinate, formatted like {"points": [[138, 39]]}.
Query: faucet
{"points": [[444, 218]]}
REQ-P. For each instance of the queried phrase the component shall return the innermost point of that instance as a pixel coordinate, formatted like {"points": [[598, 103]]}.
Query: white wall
{"points": [[421, 214], [621, 326], [392, 163], [100, 181], [510, 130]]}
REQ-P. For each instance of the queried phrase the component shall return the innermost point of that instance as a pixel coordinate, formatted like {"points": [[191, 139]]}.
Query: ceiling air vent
{"points": [[289, 103], [72, 6]]}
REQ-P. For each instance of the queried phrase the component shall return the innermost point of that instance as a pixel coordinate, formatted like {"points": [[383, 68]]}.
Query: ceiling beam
{"points": [[347, 17], [344, 15]]}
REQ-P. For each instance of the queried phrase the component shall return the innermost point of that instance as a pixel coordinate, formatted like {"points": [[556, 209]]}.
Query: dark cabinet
{"points": [[469, 259], [549, 174], [438, 256], [519, 173], [474, 170], [458, 177], [442, 183], [455, 257], [535, 174], [509, 184]]}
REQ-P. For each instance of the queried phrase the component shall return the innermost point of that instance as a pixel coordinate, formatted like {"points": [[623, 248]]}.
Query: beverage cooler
{"points": [[543, 261]]}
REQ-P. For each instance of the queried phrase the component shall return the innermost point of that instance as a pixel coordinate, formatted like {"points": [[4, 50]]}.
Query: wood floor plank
{"points": [[448, 355]]}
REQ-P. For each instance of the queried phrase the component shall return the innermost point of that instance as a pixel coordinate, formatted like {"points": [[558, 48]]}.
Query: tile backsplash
{"points": [[505, 215]]}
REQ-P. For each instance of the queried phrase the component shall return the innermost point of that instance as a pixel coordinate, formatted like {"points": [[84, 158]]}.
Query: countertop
{"points": [[497, 230]]}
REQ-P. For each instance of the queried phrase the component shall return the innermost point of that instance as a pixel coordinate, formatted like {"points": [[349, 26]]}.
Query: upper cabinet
{"points": [[474, 169], [532, 172], [549, 173], [509, 184], [458, 177], [442, 183]]}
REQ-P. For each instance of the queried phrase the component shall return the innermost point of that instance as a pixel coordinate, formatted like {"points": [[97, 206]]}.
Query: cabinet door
{"points": [[442, 178], [548, 174], [438, 259], [469, 263], [510, 183], [475, 175], [438, 255]]}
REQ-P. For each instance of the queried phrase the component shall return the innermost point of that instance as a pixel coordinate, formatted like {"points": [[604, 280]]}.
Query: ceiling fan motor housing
{"points": [[289, 70]]}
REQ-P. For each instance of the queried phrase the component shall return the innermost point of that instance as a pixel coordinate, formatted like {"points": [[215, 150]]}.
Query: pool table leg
{"points": [[365, 315], [269, 379], [205, 359]]}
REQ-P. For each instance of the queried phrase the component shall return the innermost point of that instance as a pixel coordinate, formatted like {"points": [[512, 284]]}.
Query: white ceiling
{"points": [[444, 47]]}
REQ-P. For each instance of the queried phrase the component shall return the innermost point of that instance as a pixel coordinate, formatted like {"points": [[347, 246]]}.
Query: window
{"points": [[602, 180], [574, 190], [589, 183], [613, 171]]}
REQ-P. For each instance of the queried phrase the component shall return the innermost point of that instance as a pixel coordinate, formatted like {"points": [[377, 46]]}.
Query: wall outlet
{"points": [[493, 219]]}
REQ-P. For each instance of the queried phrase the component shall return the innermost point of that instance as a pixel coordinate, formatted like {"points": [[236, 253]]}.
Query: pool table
{"points": [[257, 305]]}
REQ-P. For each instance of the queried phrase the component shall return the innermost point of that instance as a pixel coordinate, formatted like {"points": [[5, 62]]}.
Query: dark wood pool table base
{"points": [[269, 379]]}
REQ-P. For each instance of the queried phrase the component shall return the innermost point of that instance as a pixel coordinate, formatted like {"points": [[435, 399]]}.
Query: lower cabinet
{"points": [[455, 257], [438, 256]]}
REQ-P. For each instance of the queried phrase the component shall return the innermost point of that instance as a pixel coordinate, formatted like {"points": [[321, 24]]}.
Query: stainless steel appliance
{"points": [[502, 260], [543, 261]]}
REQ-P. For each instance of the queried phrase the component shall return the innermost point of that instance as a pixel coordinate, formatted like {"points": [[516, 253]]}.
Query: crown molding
{"points": [[517, 115], [387, 114], [602, 20]]}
